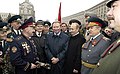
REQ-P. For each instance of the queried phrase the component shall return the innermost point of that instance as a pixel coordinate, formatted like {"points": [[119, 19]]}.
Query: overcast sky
{"points": [[48, 9]]}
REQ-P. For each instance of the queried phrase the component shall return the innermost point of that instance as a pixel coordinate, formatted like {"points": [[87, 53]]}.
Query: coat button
{"points": [[88, 55], [89, 50], [109, 52], [87, 61]]}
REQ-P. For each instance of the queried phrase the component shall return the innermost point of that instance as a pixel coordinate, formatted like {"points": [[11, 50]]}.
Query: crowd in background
{"points": [[42, 47]]}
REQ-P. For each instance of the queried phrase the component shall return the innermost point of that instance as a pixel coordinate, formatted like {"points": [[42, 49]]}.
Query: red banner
{"points": [[59, 13]]}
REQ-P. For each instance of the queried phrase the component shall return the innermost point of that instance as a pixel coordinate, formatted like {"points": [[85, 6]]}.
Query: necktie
{"points": [[39, 34]]}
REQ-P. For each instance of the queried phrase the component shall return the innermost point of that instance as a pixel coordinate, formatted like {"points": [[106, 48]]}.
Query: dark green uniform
{"points": [[110, 63]]}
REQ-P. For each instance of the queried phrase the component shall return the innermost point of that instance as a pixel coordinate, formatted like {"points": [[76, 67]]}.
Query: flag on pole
{"points": [[59, 13]]}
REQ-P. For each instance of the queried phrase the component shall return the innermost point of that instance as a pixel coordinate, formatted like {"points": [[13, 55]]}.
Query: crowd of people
{"points": [[42, 47]]}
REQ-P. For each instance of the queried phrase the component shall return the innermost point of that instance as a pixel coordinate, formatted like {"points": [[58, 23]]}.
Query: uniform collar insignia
{"points": [[94, 42]]}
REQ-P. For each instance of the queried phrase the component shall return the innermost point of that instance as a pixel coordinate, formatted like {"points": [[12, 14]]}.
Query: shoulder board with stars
{"points": [[18, 38], [105, 38]]}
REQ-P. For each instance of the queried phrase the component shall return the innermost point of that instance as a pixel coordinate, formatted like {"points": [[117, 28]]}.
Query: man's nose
{"points": [[109, 13], [33, 30]]}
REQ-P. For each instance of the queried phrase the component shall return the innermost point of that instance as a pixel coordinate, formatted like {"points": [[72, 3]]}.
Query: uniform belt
{"points": [[89, 65]]}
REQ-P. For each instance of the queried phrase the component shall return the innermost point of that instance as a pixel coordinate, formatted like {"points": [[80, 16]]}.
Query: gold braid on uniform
{"points": [[27, 66]]}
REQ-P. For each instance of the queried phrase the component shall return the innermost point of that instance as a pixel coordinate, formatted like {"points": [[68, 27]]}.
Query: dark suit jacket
{"points": [[40, 46]]}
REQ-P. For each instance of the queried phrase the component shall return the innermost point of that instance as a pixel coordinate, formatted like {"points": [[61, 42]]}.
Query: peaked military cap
{"points": [[3, 26], [15, 18], [47, 23], [40, 22], [110, 2], [90, 14], [95, 21], [74, 21], [28, 22]]}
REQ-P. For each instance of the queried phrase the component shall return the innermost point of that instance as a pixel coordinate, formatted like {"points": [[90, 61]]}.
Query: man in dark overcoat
{"points": [[39, 40], [73, 55], [56, 46]]}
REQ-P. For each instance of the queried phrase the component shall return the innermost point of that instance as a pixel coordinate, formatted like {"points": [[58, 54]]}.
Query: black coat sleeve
{"points": [[77, 64]]}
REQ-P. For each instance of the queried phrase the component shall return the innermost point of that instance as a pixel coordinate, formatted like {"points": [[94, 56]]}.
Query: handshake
{"points": [[44, 65]]}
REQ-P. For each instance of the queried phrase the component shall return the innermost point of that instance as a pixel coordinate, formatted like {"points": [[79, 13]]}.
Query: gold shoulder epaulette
{"points": [[105, 38], [18, 38]]}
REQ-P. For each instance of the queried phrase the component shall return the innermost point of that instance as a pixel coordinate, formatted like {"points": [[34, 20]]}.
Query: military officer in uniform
{"points": [[23, 54], [110, 62], [3, 33], [15, 23], [94, 47], [87, 16]]}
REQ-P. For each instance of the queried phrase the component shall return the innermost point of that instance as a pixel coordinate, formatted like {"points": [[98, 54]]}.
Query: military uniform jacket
{"points": [[92, 50], [22, 54], [110, 62]]}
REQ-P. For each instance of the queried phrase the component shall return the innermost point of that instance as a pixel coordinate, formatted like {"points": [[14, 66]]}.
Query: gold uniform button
{"points": [[89, 50], [109, 52], [87, 61]]}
